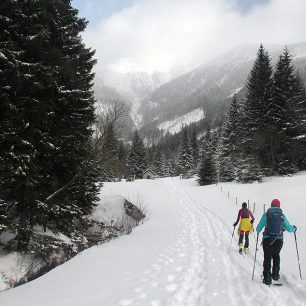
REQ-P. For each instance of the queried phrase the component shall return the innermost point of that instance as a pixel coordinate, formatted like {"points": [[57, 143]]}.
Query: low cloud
{"points": [[169, 34]]}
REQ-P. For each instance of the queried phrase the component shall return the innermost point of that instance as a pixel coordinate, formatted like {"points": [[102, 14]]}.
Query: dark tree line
{"points": [[48, 174]]}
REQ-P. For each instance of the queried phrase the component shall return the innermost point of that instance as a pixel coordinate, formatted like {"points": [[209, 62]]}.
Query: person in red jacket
{"points": [[245, 227]]}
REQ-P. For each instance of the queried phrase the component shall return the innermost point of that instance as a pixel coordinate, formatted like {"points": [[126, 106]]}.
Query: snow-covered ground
{"points": [[179, 256]]}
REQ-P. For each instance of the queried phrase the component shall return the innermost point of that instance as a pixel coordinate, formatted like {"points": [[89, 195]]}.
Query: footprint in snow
{"points": [[171, 287], [156, 303], [171, 278], [126, 302], [142, 296]]}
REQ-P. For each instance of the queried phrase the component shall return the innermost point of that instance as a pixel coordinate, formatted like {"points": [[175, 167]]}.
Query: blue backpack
{"points": [[275, 223]]}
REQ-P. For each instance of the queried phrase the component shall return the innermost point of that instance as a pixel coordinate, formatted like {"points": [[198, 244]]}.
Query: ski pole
{"points": [[253, 232], [298, 257], [255, 256], [229, 248]]}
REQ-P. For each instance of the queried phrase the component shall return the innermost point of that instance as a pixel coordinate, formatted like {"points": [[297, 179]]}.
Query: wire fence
{"points": [[251, 204]]}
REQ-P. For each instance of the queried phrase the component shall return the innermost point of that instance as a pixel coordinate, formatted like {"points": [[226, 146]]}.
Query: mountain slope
{"points": [[210, 86]]}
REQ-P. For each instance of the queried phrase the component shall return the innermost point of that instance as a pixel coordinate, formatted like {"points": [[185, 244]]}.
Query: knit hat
{"points": [[244, 205], [275, 203]]}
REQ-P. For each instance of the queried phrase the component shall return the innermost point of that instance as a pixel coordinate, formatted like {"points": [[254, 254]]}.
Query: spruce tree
{"points": [[136, 162], [46, 118], [206, 146], [194, 146], [158, 164], [256, 130], [286, 117], [185, 153], [122, 155], [230, 143], [207, 171], [109, 155], [300, 108], [172, 165], [248, 170], [26, 82], [74, 110]]}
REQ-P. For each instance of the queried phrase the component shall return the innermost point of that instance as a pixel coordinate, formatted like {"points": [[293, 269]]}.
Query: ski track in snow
{"points": [[197, 265], [193, 264]]}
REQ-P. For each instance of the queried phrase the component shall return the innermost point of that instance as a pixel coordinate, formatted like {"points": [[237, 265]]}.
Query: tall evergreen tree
{"points": [[136, 162], [109, 152], [286, 116], [185, 153], [194, 146], [300, 107], [25, 139], [256, 107], [172, 165], [122, 155], [47, 116], [207, 171], [206, 143], [230, 143], [248, 170], [74, 109], [158, 164]]}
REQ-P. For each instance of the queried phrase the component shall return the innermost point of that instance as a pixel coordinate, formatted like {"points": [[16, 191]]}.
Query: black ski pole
{"points": [[229, 248], [298, 257], [255, 256]]}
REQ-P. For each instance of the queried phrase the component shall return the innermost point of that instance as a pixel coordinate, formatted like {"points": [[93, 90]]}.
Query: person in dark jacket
{"points": [[245, 227], [275, 223]]}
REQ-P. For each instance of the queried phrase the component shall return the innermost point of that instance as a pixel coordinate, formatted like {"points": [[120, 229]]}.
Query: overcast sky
{"points": [[168, 34]]}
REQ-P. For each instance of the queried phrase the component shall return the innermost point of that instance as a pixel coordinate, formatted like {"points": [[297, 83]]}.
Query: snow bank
{"points": [[14, 266]]}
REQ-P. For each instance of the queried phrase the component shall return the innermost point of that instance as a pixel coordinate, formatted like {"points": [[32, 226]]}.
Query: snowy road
{"points": [[178, 257]]}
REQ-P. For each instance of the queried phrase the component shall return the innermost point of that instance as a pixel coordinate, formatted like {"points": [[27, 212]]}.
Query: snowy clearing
{"points": [[180, 255]]}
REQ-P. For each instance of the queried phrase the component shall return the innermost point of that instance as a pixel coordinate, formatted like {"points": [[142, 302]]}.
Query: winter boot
{"points": [[275, 274], [240, 247], [246, 250], [267, 279]]}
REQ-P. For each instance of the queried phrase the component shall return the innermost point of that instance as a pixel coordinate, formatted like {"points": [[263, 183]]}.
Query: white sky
{"points": [[182, 34]]}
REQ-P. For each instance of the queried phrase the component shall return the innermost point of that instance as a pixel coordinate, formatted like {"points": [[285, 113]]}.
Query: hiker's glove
{"points": [[294, 228], [235, 224], [252, 221]]}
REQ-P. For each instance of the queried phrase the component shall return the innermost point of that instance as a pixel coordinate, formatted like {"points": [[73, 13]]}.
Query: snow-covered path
{"points": [[178, 257]]}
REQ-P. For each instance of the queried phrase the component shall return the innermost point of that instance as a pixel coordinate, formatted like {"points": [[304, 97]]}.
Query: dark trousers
{"points": [[246, 236], [271, 250]]}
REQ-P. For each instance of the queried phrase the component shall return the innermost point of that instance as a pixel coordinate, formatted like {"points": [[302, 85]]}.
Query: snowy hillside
{"points": [[174, 126], [213, 83], [180, 256]]}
